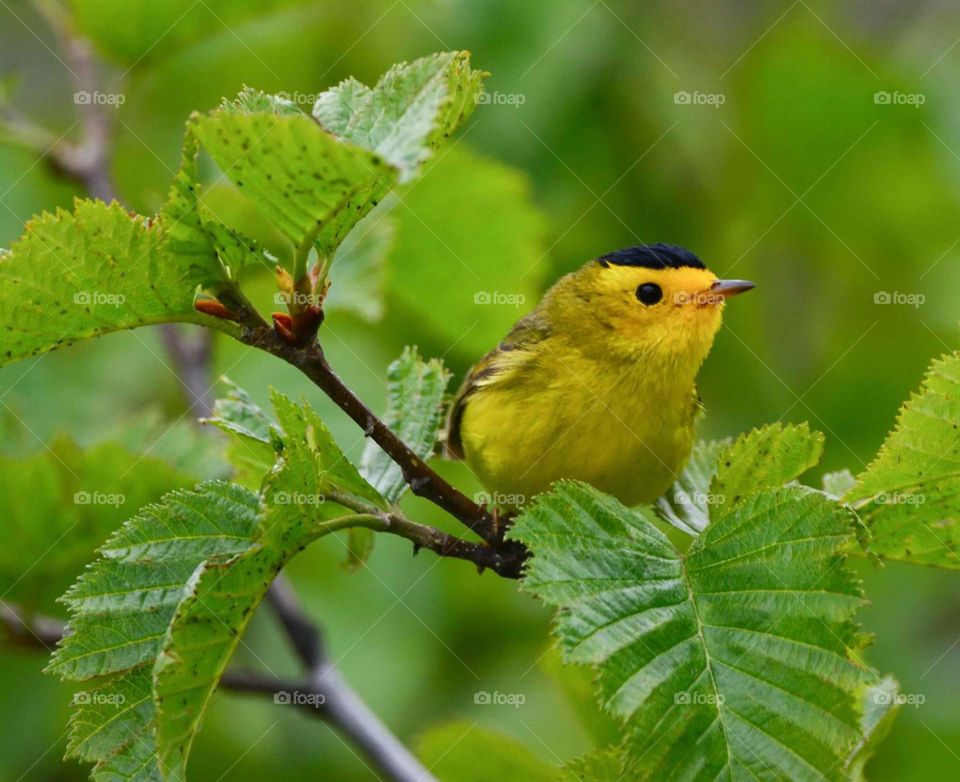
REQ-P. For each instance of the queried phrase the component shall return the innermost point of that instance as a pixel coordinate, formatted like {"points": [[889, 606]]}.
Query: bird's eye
{"points": [[649, 293]]}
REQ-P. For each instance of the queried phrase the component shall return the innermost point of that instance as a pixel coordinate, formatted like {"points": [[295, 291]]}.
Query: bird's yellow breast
{"points": [[562, 415], [597, 383]]}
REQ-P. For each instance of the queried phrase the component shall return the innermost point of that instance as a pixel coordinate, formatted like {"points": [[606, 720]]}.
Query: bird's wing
{"points": [[508, 358]]}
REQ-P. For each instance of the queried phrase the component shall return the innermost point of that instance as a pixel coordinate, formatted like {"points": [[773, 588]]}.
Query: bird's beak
{"points": [[728, 288]]}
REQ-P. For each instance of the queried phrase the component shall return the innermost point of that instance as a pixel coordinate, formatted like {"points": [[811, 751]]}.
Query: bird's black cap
{"points": [[653, 256]]}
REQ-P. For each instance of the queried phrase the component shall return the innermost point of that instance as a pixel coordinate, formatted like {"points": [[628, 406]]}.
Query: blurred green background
{"points": [[813, 147]]}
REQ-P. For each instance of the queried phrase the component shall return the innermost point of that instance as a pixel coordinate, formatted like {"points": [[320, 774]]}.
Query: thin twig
{"points": [[505, 559], [345, 710]]}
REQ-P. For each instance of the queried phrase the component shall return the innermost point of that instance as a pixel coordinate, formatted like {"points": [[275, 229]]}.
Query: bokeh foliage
{"points": [[880, 201]]}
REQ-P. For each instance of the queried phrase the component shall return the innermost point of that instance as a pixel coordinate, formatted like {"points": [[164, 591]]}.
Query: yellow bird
{"points": [[598, 383]]}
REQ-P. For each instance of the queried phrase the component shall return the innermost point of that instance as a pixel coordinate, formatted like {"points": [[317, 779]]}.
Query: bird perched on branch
{"points": [[598, 383]]}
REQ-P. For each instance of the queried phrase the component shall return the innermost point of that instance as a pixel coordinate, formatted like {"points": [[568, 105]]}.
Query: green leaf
{"points": [[144, 565], [256, 442], [312, 186], [120, 610], [414, 107], [464, 752], [77, 275], [687, 504], [61, 503], [909, 496], [114, 716], [316, 178], [359, 547], [314, 466], [251, 101], [720, 474], [238, 414], [735, 659], [415, 391], [193, 232], [765, 458]]}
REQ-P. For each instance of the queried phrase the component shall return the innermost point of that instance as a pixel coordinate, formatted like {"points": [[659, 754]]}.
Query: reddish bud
{"points": [[283, 325], [215, 308]]}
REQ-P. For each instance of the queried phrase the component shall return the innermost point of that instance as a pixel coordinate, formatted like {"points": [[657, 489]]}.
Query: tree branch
{"points": [[422, 479], [347, 712]]}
